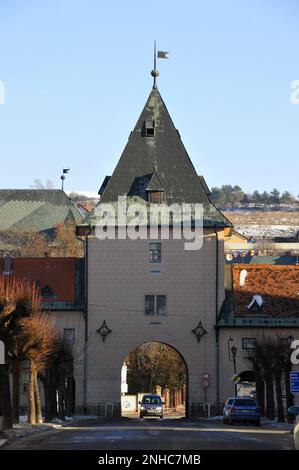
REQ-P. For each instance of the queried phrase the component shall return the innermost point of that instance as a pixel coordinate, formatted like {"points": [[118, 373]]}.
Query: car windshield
{"points": [[244, 403], [152, 400]]}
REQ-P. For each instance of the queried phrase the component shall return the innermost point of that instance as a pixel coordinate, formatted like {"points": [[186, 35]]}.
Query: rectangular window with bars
{"points": [[248, 343], [161, 305], [155, 253], [149, 305], [155, 305], [69, 335]]}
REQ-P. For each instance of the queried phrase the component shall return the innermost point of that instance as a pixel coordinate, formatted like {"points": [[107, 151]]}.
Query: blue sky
{"points": [[77, 75]]}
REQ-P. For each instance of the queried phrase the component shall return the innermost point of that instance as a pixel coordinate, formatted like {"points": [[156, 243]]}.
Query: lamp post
{"points": [[230, 339], [287, 373], [234, 353]]}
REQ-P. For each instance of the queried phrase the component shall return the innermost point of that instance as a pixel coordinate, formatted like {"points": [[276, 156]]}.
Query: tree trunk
{"points": [[289, 395], [31, 399], [16, 394], [70, 397], [270, 397], [5, 403], [260, 393], [50, 389], [38, 404], [61, 398], [279, 400]]}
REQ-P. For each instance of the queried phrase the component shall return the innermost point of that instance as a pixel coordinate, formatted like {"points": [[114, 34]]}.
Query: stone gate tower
{"points": [[154, 290]]}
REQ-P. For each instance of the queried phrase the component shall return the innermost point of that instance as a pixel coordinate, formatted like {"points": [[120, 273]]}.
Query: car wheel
{"points": [[161, 417], [141, 416]]}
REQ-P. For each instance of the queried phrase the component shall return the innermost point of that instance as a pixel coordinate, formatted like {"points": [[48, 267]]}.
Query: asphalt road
{"points": [[153, 434]]}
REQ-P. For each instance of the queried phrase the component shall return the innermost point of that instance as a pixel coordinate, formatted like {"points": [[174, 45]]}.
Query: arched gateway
{"points": [[154, 368], [145, 284]]}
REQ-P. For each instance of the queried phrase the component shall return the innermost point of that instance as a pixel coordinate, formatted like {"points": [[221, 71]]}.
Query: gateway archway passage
{"points": [[246, 385], [154, 368]]}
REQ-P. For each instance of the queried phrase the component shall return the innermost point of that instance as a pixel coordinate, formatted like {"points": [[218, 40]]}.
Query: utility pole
{"points": [[234, 353]]}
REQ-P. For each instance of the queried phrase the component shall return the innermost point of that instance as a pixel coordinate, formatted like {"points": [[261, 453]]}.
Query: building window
{"points": [[149, 127], [47, 292], [155, 305], [248, 343], [156, 197], [155, 252], [69, 335], [149, 304], [161, 305], [284, 342]]}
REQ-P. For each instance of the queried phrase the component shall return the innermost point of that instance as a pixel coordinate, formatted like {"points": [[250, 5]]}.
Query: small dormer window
{"points": [[155, 197], [256, 304], [47, 292], [149, 127]]}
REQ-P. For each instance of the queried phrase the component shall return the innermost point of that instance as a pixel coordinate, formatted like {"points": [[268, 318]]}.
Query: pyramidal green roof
{"points": [[156, 143], [40, 210]]}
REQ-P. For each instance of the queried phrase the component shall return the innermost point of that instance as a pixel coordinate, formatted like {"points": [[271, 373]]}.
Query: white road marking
{"points": [[154, 433]]}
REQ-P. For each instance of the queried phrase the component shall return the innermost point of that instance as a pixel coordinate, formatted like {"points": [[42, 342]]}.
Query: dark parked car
{"points": [[241, 409], [226, 407], [294, 410], [151, 405]]}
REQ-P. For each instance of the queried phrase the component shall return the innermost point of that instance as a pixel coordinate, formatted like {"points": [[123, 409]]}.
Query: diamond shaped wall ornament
{"points": [[104, 330], [199, 331]]}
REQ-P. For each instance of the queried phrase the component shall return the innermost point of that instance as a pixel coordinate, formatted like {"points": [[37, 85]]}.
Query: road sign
{"points": [[205, 375], [235, 378], [294, 381], [205, 383]]}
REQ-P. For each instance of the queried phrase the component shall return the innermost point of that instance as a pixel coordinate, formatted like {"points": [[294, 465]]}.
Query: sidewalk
{"points": [[23, 429], [264, 423]]}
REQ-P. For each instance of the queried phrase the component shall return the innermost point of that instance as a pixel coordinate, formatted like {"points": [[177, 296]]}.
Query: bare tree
{"points": [[41, 341], [38, 184], [18, 299], [25, 243], [28, 334], [66, 243], [270, 360]]}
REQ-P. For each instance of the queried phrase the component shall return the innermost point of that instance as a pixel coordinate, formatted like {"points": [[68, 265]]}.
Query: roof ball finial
{"points": [[155, 73]]}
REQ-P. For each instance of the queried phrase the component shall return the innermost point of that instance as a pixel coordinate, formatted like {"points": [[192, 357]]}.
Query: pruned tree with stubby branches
{"points": [[270, 359], [28, 334]]}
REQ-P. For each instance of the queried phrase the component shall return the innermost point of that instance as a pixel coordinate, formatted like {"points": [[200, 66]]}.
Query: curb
{"points": [[15, 438], [56, 427], [3, 442]]}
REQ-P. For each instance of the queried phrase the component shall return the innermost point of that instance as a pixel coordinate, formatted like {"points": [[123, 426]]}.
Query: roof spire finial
{"points": [[155, 72], [155, 164]]}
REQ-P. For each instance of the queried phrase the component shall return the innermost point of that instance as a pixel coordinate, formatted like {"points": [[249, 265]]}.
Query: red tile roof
{"points": [[278, 286], [56, 273]]}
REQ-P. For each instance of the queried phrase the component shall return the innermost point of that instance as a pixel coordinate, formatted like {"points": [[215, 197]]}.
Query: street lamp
{"points": [[230, 339], [234, 353]]}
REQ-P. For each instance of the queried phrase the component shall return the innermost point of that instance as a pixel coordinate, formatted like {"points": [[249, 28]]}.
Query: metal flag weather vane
{"points": [[157, 55]]}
